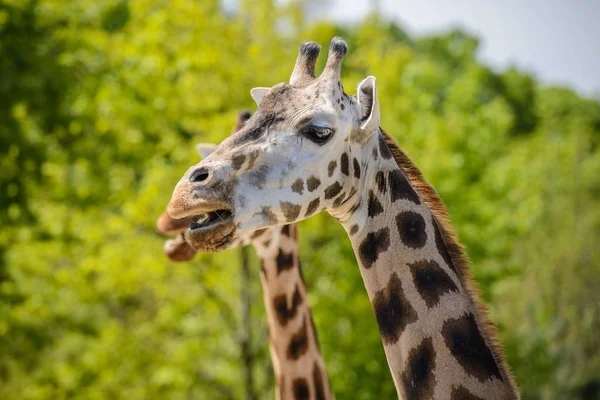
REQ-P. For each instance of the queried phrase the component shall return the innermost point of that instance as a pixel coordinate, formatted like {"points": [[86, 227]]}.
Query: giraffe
{"points": [[285, 299], [284, 295], [311, 147]]}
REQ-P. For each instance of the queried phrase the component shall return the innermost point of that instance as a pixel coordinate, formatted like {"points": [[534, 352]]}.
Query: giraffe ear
{"points": [[258, 93], [204, 149], [369, 105]]}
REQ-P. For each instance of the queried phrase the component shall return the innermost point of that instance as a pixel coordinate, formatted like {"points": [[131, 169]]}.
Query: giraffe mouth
{"points": [[207, 220], [211, 231]]}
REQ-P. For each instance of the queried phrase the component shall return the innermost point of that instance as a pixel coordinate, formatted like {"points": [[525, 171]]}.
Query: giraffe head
{"points": [[177, 249], [300, 153]]}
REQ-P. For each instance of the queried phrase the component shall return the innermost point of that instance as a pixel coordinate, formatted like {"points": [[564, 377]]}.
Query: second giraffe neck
{"points": [[297, 360], [433, 332]]}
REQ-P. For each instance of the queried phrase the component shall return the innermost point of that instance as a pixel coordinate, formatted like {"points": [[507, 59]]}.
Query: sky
{"points": [[556, 40]]}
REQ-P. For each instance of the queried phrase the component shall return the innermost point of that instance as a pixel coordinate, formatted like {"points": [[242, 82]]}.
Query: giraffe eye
{"points": [[317, 134]]}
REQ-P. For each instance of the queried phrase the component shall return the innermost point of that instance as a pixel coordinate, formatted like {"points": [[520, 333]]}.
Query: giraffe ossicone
{"points": [[311, 147]]}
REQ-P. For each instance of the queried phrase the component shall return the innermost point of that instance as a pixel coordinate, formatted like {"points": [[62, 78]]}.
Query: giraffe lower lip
{"points": [[209, 219]]}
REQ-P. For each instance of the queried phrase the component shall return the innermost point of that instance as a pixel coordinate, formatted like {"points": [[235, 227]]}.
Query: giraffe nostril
{"points": [[199, 175]]}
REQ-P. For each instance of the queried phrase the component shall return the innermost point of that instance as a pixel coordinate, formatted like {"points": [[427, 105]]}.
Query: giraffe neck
{"points": [[297, 360], [437, 338]]}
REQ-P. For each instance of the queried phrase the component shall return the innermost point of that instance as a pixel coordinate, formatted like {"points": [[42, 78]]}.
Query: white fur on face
{"points": [[291, 172]]}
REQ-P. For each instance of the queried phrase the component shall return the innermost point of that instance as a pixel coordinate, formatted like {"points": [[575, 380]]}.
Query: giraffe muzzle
{"points": [[210, 231], [208, 224]]}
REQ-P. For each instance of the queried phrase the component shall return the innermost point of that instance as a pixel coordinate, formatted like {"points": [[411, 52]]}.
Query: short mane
{"points": [[458, 257]]}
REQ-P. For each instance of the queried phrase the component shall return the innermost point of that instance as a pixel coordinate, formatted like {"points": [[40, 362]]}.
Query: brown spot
{"points": [[257, 233], [345, 164], [300, 388], [284, 261], [393, 312], [461, 393], [290, 211], [384, 149], [418, 380], [431, 281], [298, 186], [342, 106], [374, 244], [339, 200], [312, 207], [356, 168], [312, 183], [332, 190], [268, 215], [252, 158], [298, 343], [464, 340], [238, 161], [318, 382], [374, 207], [282, 311], [331, 167], [285, 230], [375, 154], [380, 180], [355, 206], [400, 188], [440, 245], [353, 191], [354, 229], [258, 177], [411, 227]]}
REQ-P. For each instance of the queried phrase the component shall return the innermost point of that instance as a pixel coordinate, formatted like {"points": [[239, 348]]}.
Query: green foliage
{"points": [[100, 106]]}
